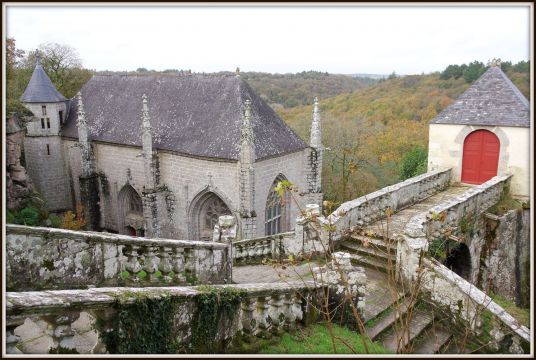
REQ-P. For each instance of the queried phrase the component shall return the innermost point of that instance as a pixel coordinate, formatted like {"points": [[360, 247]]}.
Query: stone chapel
{"points": [[485, 132], [166, 155]]}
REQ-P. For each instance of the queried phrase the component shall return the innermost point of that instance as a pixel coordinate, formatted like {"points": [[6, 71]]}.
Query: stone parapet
{"points": [[55, 258], [263, 310], [372, 207]]}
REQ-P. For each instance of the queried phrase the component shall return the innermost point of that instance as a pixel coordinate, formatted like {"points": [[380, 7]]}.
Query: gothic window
{"points": [[44, 110], [213, 208], [130, 212], [277, 211], [135, 205]]}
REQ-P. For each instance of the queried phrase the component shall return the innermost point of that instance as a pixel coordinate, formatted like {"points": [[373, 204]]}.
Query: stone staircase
{"points": [[388, 310], [370, 251]]}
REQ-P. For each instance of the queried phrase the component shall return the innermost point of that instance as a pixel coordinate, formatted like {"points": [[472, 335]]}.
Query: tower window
{"points": [[48, 123], [42, 123], [44, 110], [48, 149], [61, 116]]}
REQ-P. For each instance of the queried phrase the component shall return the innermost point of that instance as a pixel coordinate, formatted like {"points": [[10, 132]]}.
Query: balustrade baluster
{"points": [[262, 318], [151, 263], [251, 250], [60, 331], [276, 314], [288, 311], [249, 324], [178, 264], [132, 265], [189, 264], [165, 265], [103, 326]]}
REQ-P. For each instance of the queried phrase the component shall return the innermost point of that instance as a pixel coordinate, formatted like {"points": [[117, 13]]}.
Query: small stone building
{"points": [[166, 155], [484, 133]]}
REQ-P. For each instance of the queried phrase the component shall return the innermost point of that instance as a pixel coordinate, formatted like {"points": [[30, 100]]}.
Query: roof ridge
{"points": [[513, 87]]}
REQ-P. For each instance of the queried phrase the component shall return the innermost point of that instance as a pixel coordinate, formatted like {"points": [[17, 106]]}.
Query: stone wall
{"points": [[507, 260], [467, 303], [263, 310], [45, 258], [18, 184], [185, 178], [292, 167], [371, 207], [46, 168]]}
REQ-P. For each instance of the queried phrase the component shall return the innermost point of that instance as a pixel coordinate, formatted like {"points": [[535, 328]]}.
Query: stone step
{"points": [[435, 339], [419, 321], [374, 242], [370, 250], [386, 322], [368, 261]]}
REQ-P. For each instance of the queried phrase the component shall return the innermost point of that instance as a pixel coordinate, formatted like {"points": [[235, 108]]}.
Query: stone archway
{"points": [[459, 260], [130, 220], [204, 212]]}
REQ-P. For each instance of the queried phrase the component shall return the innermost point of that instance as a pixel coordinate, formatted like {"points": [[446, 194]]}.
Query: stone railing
{"points": [[450, 291], [253, 251], [264, 309], [372, 207], [444, 219], [47, 258]]}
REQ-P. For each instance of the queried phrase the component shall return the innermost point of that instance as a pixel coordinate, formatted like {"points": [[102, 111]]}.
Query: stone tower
{"points": [[314, 162], [248, 218], [89, 179], [43, 147]]}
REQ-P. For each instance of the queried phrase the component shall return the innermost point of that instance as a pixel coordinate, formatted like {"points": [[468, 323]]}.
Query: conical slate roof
{"points": [[192, 114], [40, 88], [492, 100]]}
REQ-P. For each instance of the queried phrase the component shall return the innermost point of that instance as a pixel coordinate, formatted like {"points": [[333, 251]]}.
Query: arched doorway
{"points": [[480, 157], [459, 260], [131, 212], [277, 211], [204, 214]]}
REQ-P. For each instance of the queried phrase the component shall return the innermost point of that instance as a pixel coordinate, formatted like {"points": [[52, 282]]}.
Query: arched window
{"points": [[131, 212], [205, 211], [277, 213]]}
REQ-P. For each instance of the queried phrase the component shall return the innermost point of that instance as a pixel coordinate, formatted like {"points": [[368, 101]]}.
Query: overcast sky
{"points": [[349, 39]]}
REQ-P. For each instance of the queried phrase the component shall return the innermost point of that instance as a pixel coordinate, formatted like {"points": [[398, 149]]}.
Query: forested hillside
{"points": [[372, 131], [289, 90]]}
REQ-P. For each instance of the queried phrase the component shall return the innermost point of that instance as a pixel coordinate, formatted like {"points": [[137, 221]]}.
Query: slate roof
{"points": [[492, 100], [193, 114], [41, 89]]}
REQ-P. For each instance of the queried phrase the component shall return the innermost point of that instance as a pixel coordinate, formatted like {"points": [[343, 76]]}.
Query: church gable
{"points": [[492, 100], [195, 114]]}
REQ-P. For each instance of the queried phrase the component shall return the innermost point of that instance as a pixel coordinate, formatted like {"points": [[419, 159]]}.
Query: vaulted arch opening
{"points": [[130, 212], [205, 210], [480, 157], [459, 260], [277, 211]]}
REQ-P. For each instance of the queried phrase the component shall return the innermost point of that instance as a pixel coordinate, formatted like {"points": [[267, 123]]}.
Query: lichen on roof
{"points": [[492, 100], [194, 114]]}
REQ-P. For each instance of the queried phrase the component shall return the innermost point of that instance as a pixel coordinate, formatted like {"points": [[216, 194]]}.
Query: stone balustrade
{"points": [[449, 290], [253, 251], [46, 258], [445, 218], [372, 207], [264, 309], [444, 286]]}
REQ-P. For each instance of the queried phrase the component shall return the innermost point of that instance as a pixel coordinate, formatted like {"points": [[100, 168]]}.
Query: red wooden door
{"points": [[480, 157]]}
